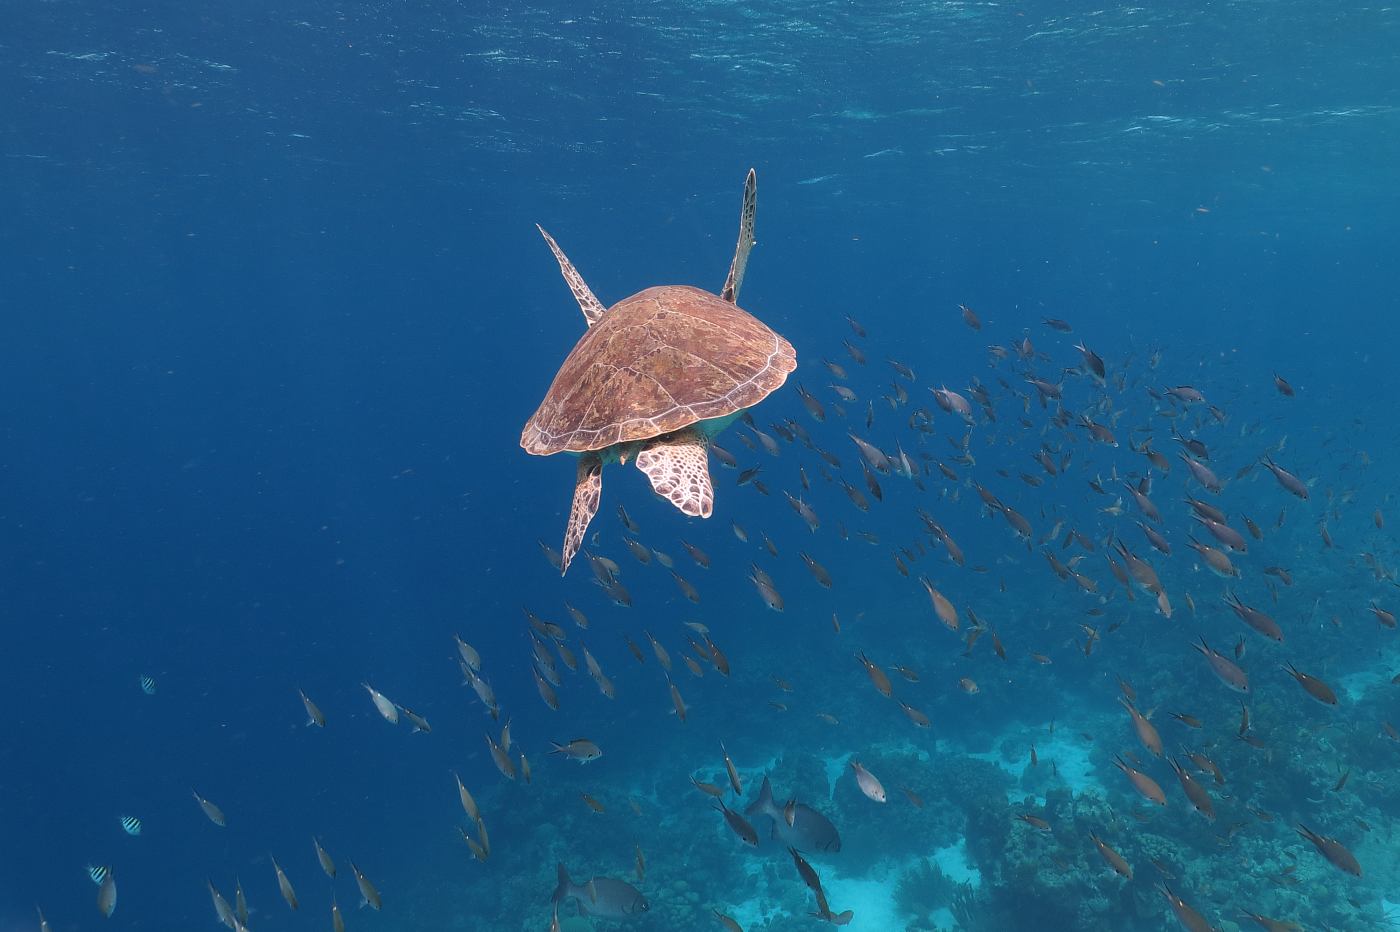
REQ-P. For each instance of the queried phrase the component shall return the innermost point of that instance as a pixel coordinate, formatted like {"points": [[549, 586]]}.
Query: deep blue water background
{"points": [[273, 311]]}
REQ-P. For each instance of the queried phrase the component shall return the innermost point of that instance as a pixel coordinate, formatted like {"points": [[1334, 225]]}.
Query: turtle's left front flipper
{"points": [[588, 492], [679, 470]]}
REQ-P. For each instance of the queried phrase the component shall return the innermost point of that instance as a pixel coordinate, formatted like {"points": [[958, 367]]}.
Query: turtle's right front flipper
{"points": [[588, 492]]}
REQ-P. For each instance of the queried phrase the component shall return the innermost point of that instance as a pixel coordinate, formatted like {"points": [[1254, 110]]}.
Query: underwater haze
{"points": [[1053, 590]]}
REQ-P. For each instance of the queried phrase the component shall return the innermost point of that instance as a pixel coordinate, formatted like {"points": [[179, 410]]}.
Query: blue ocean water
{"points": [[273, 311]]}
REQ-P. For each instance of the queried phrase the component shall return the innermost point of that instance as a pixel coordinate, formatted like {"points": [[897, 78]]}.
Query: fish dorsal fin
{"points": [[732, 284], [592, 308]]}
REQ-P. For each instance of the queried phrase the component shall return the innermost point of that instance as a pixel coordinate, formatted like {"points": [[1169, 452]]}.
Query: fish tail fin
{"points": [[561, 892]]}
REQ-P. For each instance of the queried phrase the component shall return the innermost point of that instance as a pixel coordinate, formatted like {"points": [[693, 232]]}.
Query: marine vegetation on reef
{"points": [[923, 888]]}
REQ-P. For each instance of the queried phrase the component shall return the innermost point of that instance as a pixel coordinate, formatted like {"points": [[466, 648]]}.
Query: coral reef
{"points": [[922, 889]]}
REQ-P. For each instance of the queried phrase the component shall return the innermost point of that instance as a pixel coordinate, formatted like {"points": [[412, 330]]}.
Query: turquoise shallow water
{"points": [[274, 313]]}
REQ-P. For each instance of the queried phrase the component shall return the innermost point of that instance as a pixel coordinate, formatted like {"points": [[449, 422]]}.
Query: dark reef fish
{"points": [[809, 829], [1114, 860], [1290, 482], [1312, 685], [1147, 787], [1190, 920], [601, 896], [738, 824], [1333, 850]]}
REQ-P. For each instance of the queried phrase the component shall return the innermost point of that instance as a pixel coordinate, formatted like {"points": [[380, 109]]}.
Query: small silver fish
{"points": [[468, 801], [605, 685], [1290, 482], [555, 559], [478, 852], [240, 905], [419, 722], [221, 907], [676, 700], [868, 784], [367, 889], [579, 749], [107, 894], [739, 825], [386, 707], [284, 885], [662, 657], [579, 617], [1225, 669], [501, 759], [327, 864], [314, 715], [639, 550], [469, 653], [767, 591], [732, 771], [547, 693], [211, 811]]}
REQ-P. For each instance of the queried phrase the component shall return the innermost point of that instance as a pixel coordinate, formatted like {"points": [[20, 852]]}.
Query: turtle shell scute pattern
{"points": [[657, 362]]}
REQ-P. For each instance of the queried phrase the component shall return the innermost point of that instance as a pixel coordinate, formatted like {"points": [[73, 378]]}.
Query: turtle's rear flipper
{"points": [[588, 491], [679, 470]]}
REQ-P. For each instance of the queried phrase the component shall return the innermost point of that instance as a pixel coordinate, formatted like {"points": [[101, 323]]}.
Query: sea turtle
{"points": [[653, 378]]}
